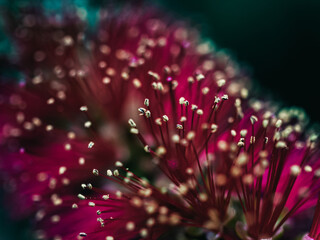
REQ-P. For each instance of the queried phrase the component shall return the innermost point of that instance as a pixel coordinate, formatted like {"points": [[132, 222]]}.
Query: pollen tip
{"points": [[295, 170], [95, 172]]}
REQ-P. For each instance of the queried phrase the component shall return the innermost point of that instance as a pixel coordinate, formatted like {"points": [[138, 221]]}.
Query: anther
{"points": [[95, 172], [81, 197], [132, 123]]}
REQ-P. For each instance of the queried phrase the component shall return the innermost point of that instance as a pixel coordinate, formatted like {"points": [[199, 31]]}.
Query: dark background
{"points": [[278, 40]]}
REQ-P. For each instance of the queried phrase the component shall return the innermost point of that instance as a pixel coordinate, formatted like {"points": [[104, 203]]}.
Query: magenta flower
{"points": [[213, 145], [97, 220], [75, 88], [283, 182], [243, 162], [39, 160], [60, 122]]}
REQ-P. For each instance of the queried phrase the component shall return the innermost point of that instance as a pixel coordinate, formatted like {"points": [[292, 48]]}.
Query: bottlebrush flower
{"points": [[73, 80], [78, 85], [39, 162], [212, 145], [284, 181], [245, 159], [189, 106], [51, 221], [94, 220]]}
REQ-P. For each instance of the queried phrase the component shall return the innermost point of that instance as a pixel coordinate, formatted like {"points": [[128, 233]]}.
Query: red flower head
{"points": [[244, 161], [40, 159], [78, 84], [212, 145], [155, 59]]}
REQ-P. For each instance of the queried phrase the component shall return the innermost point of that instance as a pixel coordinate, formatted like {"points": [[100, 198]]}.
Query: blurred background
{"points": [[277, 41]]}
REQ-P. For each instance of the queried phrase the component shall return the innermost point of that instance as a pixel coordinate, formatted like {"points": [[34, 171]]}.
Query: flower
{"points": [[48, 145], [247, 158], [282, 182], [187, 106], [40, 161], [78, 84], [215, 146], [76, 87], [51, 221], [93, 220]]}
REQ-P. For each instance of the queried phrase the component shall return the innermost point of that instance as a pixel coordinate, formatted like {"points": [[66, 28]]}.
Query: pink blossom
{"points": [[211, 140]]}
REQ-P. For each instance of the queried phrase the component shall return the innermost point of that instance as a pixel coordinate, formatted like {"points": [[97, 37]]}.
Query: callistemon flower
{"points": [[182, 135], [77, 85], [314, 233], [206, 167], [105, 216], [211, 144], [284, 180], [99, 70], [41, 160], [249, 159]]}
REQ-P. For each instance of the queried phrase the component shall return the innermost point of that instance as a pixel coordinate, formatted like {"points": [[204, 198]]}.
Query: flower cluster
{"points": [[227, 165], [206, 167]]}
